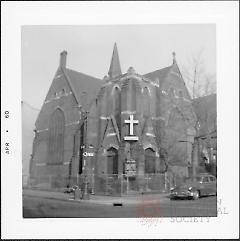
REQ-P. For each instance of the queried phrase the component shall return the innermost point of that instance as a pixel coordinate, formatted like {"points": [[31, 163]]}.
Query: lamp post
{"points": [[85, 193]]}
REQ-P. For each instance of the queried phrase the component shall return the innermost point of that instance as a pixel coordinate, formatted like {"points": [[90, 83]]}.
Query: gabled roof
{"points": [[84, 87], [160, 74]]}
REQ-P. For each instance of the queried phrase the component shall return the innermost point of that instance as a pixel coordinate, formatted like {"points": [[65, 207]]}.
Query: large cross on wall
{"points": [[131, 136]]}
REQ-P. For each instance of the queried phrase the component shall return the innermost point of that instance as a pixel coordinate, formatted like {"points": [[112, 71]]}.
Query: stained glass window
{"points": [[56, 137]]}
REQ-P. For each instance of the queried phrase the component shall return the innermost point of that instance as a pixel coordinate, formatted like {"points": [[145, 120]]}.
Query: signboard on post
{"points": [[130, 168]]}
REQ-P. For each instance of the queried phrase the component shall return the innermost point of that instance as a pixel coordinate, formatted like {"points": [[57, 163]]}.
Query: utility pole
{"points": [[85, 193]]}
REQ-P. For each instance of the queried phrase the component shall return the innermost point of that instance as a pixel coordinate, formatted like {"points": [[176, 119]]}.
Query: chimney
{"points": [[63, 59], [174, 57]]}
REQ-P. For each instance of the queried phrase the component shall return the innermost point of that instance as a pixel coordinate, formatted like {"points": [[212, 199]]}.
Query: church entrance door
{"points": [[112, 161]]}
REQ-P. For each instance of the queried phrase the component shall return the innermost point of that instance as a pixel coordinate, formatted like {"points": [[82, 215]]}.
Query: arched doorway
{"points": [[112, 161], [150, 160]]}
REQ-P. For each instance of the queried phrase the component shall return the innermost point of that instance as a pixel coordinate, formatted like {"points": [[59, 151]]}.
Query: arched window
{"points": [[117, 106], [146, 102], [150, 157], [56, 137], [124, 95], [104, 103], [133, 94], [157, 101], [112, 161]]}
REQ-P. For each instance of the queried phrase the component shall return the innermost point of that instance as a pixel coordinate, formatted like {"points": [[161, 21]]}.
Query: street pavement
{"points": [[40, 204]]}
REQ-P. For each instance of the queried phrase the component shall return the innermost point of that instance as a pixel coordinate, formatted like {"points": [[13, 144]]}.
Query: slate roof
{"points": [[206, 110], [161, 74], [85, 87]]}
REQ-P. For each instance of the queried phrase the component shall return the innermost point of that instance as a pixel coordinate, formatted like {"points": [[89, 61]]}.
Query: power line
{"points": [[29, 105]]}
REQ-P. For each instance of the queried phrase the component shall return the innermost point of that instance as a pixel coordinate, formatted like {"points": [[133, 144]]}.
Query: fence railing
{"points": [[105, 184]]}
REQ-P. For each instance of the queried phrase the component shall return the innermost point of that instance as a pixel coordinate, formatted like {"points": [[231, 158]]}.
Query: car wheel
{"points": [[172, 198], [196, 195]]}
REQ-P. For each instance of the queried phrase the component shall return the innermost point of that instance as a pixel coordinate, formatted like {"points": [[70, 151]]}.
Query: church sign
{"points": [[130, 168], [131, 136]]}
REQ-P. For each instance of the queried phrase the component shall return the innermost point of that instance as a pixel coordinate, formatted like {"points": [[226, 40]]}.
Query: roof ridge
{"points": [[82, 73], [70, 84], [165, 68], [84, 87]]}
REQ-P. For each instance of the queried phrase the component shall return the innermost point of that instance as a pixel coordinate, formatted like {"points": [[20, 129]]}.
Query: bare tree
{"points": [[198, 81], [208, 85]]}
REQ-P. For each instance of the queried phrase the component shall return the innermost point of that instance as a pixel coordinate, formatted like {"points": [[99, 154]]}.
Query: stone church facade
{"points": [[125, 125]]}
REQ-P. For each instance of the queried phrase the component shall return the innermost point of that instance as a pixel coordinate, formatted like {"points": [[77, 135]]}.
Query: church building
{"points": [[122, 132]]}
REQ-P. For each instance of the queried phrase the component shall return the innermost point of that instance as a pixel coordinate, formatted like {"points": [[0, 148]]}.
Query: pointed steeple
{"points": [[115, 68]]}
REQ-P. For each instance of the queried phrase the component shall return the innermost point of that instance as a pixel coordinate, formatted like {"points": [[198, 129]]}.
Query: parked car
{"points": [[71, 189], [195, 187]]}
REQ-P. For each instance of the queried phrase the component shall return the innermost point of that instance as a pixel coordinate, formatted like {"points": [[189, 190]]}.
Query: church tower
{"points": [[126, 135]]}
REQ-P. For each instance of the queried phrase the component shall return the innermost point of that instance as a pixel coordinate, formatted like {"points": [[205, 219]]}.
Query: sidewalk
{"points": [[98, 199]]}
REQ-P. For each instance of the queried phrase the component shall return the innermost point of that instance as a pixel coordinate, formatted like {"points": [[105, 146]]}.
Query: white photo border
{"points": [[223, 14]]}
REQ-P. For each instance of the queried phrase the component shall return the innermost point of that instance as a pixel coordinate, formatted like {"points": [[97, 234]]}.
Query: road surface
{"points": [[40, 207]]}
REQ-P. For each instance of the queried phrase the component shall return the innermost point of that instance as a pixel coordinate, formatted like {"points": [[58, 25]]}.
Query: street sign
{"points": [[88, 154]]}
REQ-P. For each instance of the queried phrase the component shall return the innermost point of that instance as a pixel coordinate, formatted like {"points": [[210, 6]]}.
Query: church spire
{"points": [[115, 68]]}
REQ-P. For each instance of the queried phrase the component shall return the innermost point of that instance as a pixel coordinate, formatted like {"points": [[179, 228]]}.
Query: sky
{"points": [[144, 47]]}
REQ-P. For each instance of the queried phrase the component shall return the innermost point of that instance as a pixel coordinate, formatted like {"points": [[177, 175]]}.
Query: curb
{"points": [[101, 202], [74, 200], [54, 198]]}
